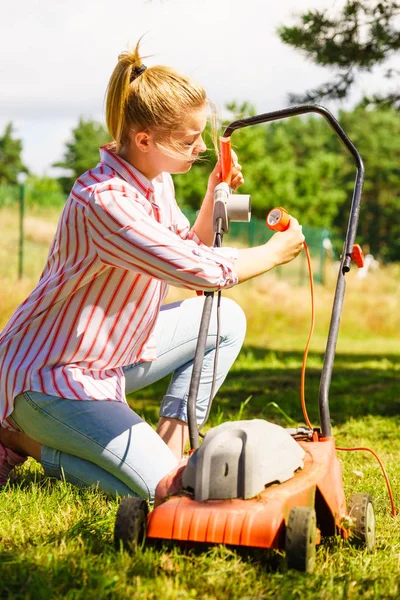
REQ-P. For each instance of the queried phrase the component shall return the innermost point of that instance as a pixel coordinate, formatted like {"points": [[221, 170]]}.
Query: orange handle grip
{"points": [[278, 219], [226, 159], [358, 256]]}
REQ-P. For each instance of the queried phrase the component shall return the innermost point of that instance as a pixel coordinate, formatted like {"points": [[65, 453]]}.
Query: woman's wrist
{"points": [[274, 258]]}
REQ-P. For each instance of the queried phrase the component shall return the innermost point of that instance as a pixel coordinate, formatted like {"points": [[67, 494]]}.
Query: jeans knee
{"points": [[234, 321]]}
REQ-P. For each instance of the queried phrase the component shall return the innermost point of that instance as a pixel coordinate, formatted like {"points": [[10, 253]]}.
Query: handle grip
{"points": [[226, 159], [278, 219]]}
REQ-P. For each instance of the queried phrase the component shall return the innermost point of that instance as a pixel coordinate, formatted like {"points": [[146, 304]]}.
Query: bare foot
{"points": [[20, 443]]}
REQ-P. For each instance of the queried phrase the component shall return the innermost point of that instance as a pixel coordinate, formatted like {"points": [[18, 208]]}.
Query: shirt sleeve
{"points": [[126, 236]]}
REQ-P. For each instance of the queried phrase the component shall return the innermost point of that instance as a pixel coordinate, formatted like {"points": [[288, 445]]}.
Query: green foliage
{"points": [[44, 191], [376, 133], [82, 151], [293, 163], [9, 194], [10, 157], [364, 34], [299, 163]]}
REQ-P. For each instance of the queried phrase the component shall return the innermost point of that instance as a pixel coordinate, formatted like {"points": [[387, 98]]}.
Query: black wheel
{"points": [[130, 524], [301, 534], [362, 515]]}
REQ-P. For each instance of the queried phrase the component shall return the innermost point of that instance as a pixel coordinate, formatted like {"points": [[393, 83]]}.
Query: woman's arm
{"points": [[251, 262], [126, 236], [280, 249]]}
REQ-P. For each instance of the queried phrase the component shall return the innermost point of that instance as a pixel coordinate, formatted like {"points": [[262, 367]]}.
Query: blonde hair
{"points": [[157, 98]]}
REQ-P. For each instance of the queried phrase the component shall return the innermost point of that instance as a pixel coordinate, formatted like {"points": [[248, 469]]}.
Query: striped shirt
{"points": [[120, 241]]}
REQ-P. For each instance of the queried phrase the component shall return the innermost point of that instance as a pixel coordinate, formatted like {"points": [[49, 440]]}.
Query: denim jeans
{"points": [[106, 443]]}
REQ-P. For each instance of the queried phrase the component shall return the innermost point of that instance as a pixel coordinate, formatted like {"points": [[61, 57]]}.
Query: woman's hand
{"points": [[286, 245], [236, 179], [203, 225], [171, 483], [280, 249]]}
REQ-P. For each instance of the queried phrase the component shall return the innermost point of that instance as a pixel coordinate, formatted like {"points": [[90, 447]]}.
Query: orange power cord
{"points": [[394, 511], [303, 367]]}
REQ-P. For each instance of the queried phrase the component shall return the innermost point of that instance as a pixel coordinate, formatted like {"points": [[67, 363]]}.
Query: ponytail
{"points": [[118, 92], [155, 98]]}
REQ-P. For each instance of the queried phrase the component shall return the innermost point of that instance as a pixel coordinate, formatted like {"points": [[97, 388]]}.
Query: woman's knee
{"points": [[233, 321]]}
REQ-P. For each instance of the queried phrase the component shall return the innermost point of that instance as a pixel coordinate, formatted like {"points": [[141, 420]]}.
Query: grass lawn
{"points": [[57, 541]]}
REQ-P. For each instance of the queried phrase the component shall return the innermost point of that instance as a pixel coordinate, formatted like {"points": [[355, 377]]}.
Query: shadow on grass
{"points": [[362, 384], [22, 577]]}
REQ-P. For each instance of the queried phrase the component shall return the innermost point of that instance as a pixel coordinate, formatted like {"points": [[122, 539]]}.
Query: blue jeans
{"points": [[107, 443]]}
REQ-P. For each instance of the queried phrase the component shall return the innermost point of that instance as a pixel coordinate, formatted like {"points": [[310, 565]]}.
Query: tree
{"points": [[363, 35], [10, 157], [376, 134], [82, 152]]}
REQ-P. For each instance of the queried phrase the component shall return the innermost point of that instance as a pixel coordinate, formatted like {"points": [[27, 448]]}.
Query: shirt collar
{"points": [[125, 170]]}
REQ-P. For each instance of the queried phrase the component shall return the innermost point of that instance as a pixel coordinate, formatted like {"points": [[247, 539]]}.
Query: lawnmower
{"points": [[252, 483]]}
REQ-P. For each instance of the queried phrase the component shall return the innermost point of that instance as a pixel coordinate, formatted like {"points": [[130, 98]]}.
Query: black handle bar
{"points": [[345, 265], [323, 398]]}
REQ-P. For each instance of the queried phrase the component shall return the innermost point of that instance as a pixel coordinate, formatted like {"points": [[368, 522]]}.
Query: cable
{"points": [[394, 510], [305, 355]]}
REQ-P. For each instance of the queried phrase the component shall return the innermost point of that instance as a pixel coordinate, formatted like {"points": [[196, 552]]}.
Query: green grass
{"points": [[57, 541]]}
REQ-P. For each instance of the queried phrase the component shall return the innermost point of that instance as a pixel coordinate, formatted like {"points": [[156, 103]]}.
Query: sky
{"points": [[56, 58]]}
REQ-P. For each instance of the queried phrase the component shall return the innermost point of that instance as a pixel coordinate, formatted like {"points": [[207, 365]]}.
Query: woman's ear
{"points": [[142, 141]]}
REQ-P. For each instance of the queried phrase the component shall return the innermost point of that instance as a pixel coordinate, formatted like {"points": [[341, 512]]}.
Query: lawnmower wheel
{"points": [[362, 514], [130, 524], [301, 533]]}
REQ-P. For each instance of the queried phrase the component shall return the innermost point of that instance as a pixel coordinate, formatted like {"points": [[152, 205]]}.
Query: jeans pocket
{"points": [[31, 402]]}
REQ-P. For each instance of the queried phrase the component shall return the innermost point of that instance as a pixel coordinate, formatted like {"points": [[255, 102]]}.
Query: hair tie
{"points": [[136, 71]]}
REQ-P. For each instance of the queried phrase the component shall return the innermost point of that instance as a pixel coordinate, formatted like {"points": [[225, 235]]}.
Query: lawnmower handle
{"points": [[326, 375], [226, 159]]}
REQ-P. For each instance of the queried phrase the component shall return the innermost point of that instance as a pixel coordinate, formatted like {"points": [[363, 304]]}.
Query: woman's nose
{"points": [[201, 147]]}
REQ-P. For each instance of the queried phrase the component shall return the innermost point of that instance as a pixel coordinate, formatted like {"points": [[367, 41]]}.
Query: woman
{"points": [[94, 328]]}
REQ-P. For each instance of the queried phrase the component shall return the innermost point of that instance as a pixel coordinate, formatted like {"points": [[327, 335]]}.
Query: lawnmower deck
{"points": [[261, 521]]}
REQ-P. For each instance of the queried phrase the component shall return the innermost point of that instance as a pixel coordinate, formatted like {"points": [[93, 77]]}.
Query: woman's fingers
{"points": [[237, 178]]}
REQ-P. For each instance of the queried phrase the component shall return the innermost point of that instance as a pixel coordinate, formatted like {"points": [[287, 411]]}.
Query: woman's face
{"points": [[186, 145]]}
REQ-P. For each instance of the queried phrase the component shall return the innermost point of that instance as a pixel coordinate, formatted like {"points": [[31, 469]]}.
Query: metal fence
{"points": [[250, 234]]}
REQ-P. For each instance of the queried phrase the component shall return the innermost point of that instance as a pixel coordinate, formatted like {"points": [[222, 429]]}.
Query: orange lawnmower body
{"points": [[261, 521]]}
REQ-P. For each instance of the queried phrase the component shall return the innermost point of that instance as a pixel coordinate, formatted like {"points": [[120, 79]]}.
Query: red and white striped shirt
{"points": [[120, 241]]}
